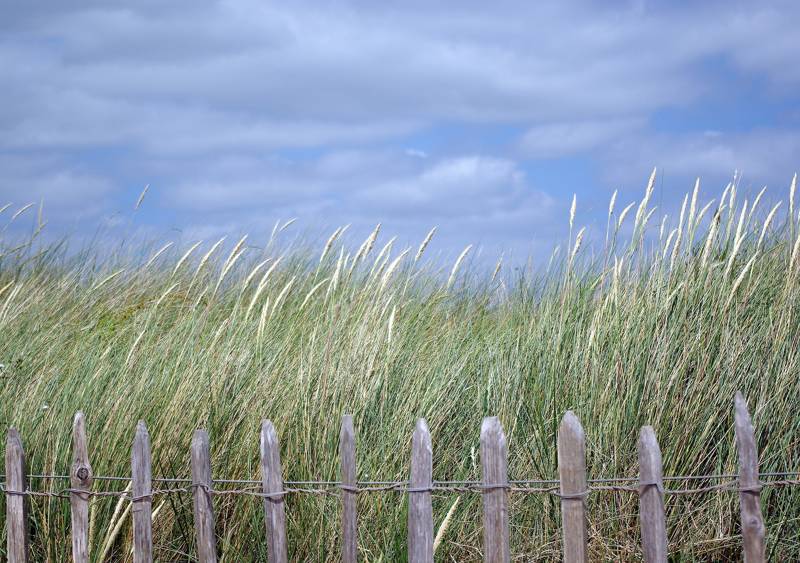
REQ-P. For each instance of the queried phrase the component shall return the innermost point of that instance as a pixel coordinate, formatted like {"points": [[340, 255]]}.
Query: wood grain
{"points": [[80, 479], [141, 471], [203, 500], [572, 473], [347, 459], [16, 505], [651, 498], [494, 464], [420, 511], [272, 480], [753, 530]]}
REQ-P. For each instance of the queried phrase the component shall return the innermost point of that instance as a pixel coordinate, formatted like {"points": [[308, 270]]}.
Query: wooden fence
{"points": [[572, 488]]}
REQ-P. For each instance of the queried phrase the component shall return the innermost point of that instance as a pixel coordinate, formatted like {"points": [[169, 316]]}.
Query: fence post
{"points": [[81, 482], [347, 455], [274, 514], [203, 500], [572, 473], [651, 498], [16, 504], [142, 489], [494, 464], [753, 530], [420, 511]]}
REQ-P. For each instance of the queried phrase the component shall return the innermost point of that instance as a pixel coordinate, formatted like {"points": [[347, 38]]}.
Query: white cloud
{"points": [[461, 186], [559, 139], [416, 153], [379, 182]]}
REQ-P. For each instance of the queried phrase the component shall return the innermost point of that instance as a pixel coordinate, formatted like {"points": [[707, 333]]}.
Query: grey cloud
{"points": [[761, 156], [250, 74], [333, 63], [72, 193], [559, 139], [207, 96]]}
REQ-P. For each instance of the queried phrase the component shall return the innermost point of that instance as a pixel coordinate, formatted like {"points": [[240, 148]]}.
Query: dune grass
{"points": [[660, 327]]}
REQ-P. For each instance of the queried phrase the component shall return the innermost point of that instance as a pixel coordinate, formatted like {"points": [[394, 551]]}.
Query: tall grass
{"points": [[661, 328]]}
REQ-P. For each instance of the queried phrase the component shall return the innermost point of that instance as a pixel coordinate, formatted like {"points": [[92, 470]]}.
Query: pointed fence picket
{"points": [[573, 488], [272, 479], [572, 474], [347, 456], [420, 511], [494, 463], [749, 488], [651, 498], [16, 502], [142, 489], [81, 481], [203, 500]]}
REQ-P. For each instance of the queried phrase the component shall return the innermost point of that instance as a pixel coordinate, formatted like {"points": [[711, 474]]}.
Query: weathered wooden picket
{"points": [[572, 490]]}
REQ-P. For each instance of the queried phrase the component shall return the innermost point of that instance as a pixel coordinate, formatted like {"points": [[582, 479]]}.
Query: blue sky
{"points": [[480, 118]]}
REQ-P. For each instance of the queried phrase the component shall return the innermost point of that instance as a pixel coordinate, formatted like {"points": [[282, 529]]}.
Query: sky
{"points": [[480, 118]]}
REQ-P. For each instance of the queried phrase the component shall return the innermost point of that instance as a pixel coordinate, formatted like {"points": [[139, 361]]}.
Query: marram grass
{"points": [[660, 328]]}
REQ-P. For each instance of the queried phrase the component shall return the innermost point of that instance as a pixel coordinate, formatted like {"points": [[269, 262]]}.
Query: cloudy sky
{"points": [[480, 117]]}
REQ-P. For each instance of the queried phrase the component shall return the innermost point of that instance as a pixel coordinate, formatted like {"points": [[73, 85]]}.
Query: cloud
{"points": [[241, 111], [472, 198], [164, 129], [380, 183], [762, 41], [67, 189], [761, 156], [259, 74], [461, 186], [552, 140]]}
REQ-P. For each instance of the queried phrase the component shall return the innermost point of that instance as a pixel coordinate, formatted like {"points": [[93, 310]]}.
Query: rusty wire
{"points": [[335, 488]]}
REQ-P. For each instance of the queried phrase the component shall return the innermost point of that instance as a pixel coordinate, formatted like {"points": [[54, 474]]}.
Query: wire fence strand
{"points": [[551, 487], [599, 480]]}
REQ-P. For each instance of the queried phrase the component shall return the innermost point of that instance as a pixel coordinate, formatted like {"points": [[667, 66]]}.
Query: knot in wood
{"points": [[82, 473]]}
